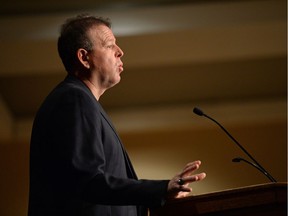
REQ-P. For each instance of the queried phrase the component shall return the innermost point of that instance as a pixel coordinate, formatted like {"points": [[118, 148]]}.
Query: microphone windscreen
{"points": [[198, 111], [236, 159]]}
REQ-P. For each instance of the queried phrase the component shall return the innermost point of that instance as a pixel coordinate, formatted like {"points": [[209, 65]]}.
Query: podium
{"points": [[258, 200]]}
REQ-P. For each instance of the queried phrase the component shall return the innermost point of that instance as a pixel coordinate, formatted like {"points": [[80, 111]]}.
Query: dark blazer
{"points": [[78, 165]]}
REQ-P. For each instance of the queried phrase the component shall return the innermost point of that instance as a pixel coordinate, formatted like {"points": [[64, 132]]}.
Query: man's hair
{"points": [[73, 36]]}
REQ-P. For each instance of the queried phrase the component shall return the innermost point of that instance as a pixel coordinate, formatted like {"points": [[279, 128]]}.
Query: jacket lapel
{"points": [[129, 166]]}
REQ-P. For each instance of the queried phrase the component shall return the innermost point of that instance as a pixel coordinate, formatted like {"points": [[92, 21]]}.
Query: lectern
{"points": [[258, 200]]}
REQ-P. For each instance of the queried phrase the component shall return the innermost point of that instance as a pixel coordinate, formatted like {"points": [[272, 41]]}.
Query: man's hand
{"points": [[178, 186]]}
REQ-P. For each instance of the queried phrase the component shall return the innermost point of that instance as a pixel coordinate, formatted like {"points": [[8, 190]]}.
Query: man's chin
{"points": [[114, 82]]}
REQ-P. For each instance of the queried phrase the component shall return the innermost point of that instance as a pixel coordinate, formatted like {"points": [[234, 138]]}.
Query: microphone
{"points": [[255, 164], [239, 159]]}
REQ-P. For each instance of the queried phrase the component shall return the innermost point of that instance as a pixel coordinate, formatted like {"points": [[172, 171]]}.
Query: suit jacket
{"points": [[78, 165]]}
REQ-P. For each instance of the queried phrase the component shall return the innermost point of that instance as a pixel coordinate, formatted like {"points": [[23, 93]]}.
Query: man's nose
{"points": [[120, 53]]}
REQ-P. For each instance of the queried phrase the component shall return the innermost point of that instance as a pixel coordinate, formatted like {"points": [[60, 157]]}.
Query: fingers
{"points": [[189, 179], [194, 178], [179, 185], [193, 163], [190, 168]]}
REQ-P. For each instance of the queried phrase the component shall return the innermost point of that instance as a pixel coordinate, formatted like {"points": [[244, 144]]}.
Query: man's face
{"points": [[105, 57]]}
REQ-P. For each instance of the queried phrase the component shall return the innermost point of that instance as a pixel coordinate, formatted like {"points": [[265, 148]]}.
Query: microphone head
{"points": [[236, 160], [198, 111]]}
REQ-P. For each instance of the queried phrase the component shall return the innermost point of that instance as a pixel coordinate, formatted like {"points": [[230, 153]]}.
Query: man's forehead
{"points": [[102, 32]]}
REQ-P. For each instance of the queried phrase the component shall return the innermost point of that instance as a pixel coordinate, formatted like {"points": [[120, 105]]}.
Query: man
{"points": [[78, 165]]}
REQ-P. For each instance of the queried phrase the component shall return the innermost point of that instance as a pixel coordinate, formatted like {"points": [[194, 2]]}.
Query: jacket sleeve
{"points": [[107, 189]]}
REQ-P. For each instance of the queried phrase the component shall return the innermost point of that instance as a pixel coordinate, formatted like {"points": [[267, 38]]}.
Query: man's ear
{"points": [[83, 57]]}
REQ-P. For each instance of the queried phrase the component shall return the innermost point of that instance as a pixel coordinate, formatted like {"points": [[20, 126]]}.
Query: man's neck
{"points": [[96, 91]]}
